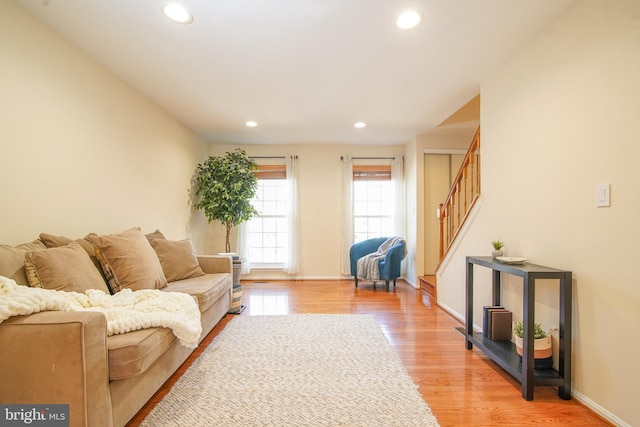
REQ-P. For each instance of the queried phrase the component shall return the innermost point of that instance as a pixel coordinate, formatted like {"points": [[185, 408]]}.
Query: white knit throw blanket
{"points": [[126, 311], [367, 266]]}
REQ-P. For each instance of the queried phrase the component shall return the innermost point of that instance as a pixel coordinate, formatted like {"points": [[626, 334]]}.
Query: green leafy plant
{"points": [[538, 332], [225, 186], [497, 244]]}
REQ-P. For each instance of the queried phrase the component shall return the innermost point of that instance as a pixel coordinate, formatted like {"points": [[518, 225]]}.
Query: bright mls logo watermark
{"points": [[34, 415]]}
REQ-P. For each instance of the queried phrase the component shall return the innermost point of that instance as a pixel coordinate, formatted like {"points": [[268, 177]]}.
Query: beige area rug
{"points": [[298, 370]]}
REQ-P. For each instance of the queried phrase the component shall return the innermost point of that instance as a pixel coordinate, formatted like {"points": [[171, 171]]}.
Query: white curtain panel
{"points": [[397, 181], [243, 247], [347, 213], [292, 266]]}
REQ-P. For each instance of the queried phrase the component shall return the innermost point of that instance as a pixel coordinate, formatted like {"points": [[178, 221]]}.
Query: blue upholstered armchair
{"points": [[389, 267]]}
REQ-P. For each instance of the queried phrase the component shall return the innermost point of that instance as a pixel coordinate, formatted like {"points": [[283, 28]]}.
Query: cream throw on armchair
{"points": [[368, 264]]}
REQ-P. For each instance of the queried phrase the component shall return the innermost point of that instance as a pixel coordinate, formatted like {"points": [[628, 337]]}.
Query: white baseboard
{"points": [[280, 276], [457, 316], [265, 277], [607, 415]]}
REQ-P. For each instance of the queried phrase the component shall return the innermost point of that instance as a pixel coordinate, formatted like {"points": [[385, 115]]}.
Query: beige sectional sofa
{"points": [[67, 357]]}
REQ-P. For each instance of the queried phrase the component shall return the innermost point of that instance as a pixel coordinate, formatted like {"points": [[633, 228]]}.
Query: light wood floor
{"points": [[463, 388]]}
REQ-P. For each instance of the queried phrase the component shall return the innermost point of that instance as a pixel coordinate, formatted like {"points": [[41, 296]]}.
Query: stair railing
{"points": [[462, 196]]}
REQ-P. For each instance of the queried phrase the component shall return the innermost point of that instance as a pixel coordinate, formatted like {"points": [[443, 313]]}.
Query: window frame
{"points": [[370, 173], [264, 173]]}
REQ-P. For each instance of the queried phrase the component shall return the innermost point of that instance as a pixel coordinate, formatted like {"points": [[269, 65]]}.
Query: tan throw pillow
{"points": [[52, 241], [65, 268], [130, 258], [12, 260], [178, 259], [155, 235]]}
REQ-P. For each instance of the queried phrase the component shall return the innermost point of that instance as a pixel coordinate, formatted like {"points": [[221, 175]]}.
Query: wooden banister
{"points": [[464, 192]]}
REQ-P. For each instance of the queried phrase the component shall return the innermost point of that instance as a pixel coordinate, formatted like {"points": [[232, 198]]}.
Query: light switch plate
{"points": [[603, 195]]}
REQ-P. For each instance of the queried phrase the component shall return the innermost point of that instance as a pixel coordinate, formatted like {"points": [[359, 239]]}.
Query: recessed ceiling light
{"points": [[251, 124], [177, 13], [359, 125], [408, 19]]}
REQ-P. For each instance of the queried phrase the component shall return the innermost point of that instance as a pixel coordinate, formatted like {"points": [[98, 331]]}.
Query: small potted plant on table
{"points": [[497, 248]]}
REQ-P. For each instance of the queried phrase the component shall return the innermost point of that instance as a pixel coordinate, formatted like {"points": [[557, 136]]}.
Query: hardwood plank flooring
{"points": [[463, 388]]}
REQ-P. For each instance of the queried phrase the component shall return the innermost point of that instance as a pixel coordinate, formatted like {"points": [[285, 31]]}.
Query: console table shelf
{"points": [[504, 352], [507, 357]]}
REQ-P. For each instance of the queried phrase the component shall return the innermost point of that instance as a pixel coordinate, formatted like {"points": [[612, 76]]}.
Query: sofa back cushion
{"points": [[130, 258], [177, 258], [65, 268], [12, 260]]}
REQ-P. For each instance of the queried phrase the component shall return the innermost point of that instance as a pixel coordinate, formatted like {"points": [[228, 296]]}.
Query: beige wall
{"points": [[557, 119], [80, 150], [320, 186]]}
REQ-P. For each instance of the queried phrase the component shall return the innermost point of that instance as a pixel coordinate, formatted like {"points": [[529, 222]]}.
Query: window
{"points": [[269, 232], [373, 202]]}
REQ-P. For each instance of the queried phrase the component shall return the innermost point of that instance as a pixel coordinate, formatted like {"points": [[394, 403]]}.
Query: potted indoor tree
{"points": [[542, 349], [225, 186]]}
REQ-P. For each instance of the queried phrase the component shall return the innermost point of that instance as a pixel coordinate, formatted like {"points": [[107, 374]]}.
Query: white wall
{"points": [[558, 118], [80, 150]]}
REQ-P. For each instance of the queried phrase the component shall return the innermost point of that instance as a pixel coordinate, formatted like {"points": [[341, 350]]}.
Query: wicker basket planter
{"points": [[542, 351]]}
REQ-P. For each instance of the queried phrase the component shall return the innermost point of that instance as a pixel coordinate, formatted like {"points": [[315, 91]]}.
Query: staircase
{"points": [[464, 193], [454, 211], [428, 286]]}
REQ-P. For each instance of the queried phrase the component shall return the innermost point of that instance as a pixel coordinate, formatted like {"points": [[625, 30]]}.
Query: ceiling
{"points": [[304, 70]]}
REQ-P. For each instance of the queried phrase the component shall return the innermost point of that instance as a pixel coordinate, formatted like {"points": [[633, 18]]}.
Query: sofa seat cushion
{"points": [[206, 289], [132, 353]]}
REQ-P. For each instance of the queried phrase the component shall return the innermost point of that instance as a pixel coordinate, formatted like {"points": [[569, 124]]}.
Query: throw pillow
{"points": [[177, 258], [131, 259], [12, 260], [155, 235], [53, 241], [65, 268]]}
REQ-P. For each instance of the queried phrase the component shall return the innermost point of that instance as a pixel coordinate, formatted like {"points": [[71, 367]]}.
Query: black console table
{"points": [[504, 352]]}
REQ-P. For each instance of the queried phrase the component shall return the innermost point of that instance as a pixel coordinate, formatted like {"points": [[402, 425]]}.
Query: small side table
{"points": [[236, 305], [504, 353]]}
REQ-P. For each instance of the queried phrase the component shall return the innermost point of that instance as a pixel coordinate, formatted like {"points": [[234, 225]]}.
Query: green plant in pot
{"points": [[225, 186], [542, 349], [497, 248]]}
